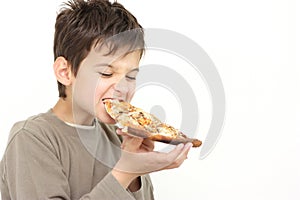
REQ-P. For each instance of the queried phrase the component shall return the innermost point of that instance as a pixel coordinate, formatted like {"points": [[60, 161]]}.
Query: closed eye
{"points": [[131, 78], [105, 74], [132, 74]]}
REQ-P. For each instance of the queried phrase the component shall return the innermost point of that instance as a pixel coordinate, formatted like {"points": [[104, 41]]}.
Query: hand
{"points": [[135, 144], [138, 158]]}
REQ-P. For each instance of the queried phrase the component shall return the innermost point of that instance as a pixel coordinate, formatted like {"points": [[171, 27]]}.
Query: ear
{"points": [[62, 71]]}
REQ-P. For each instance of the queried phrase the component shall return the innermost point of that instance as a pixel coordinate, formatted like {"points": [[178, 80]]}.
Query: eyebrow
{"points": [[111, 66], [103, 65], [135, 69]]}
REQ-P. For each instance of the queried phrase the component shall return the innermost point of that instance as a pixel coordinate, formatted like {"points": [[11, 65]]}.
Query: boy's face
{"points": [[100, 77]]}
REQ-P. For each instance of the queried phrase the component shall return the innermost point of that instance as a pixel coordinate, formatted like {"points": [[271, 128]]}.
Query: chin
{"points": [[110, 122]]}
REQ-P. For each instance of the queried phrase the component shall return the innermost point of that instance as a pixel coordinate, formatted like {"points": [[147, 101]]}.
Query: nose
{"points": [[121, 88]]}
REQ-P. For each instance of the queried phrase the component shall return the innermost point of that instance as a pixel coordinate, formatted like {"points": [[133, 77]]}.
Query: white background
{"points": [[253, 45]]}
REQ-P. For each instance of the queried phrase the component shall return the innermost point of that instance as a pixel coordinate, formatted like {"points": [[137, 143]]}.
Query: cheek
{"points": [[102, 90], [84, 92], [131, 91]]}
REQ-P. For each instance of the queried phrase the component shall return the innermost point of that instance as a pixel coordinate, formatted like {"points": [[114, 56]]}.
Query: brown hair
{"points": [[82, 24]]}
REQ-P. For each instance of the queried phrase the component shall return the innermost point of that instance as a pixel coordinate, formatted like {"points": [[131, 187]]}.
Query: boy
{"points": [[72, 151]]}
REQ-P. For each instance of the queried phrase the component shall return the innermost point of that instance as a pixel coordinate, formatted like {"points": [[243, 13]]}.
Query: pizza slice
{"points": [[137, 122]]}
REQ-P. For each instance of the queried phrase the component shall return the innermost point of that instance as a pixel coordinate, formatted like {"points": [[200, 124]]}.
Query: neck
{"points": [[64, 110]]}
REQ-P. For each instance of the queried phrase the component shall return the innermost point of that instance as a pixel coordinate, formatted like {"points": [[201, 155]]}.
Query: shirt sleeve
{"points": [[109, 188], [146, 190], [33, 171]]}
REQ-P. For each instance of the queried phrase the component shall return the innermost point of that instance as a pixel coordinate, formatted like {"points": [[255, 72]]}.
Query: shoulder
{"points": [[43, 129], [34, 125], [39, 135], [32, 122]]}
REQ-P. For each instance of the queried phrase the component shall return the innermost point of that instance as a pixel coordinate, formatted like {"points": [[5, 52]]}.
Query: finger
{"points": [[159, 160], [185, 150], [125, 139], [168, 158], [181, 157], [120, 132], [148, 161], [131, 144], [148, 144]]}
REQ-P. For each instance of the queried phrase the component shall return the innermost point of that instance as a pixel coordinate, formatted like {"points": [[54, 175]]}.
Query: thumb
{"points": [[130, 143]]}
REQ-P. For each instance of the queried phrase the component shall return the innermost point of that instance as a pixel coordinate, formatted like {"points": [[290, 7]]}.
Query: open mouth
{"points": [[109, 98]]}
